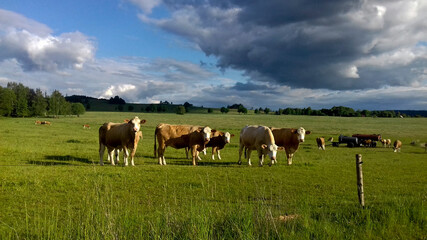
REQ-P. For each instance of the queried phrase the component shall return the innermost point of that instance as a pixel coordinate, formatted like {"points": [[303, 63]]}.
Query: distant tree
{"points": [[267, 110], [280, 111], [130, 108], [242, 109], [77, 109], [210, 110], [7, 101], [21, 93], [256, 111], [151, 108], [116, 100], [225, 110], [39, 106], [55, 102], [120, 107], [180, 110]]}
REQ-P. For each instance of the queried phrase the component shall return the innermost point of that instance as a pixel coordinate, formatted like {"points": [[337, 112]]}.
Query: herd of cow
{"points": [[266, 141]]}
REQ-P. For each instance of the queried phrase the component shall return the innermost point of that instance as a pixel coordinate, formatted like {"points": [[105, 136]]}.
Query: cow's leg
{"points": [[186, 152], [132, 156], [161, 153], [125, 156], [213, 152], [111, 154], [290, 156], [240, 154], [116, 153], [248, 155], [194, 153], [101, 154], [261, 158], [218, 154]]}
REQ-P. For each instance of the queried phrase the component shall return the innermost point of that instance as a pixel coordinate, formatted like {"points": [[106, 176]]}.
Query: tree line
{"points": [[17, 100]]}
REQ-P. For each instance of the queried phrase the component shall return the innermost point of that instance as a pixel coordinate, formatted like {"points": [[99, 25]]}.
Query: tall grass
{"points": [[51, 186]]}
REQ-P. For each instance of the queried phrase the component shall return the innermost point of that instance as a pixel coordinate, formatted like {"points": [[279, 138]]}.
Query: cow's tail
{"points": [[155, 144]]}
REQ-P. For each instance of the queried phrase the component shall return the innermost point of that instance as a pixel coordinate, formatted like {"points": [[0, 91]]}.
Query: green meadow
{"points": [[52, 187]]}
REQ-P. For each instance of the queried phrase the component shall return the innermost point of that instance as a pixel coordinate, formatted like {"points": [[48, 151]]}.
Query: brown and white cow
{"points": [[86, 126], [259, 138], [119, 136], [289, 138], [45, 123], [117, 151], [181, 136], [397, 145], [320, 143], [37, 122], [218, 141], [388, 143]]}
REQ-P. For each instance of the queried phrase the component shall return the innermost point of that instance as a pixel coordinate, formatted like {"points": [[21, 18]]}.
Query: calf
{"points": [[289, 139], [320, 143], [388, 143], [397, 145], [86, 126], [259, 138], [119, 136], [217, 142], [181, 136]]}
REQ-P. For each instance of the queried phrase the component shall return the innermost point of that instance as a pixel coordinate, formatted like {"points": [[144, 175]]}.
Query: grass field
{"points": [[52, 187]]}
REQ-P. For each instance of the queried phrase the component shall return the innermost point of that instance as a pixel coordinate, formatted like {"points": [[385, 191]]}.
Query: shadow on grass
{"points": [[60, 160]]}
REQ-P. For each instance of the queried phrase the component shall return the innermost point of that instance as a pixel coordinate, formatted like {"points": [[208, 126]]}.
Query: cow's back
{"points": [[284, 137], [176, 136], [253, 135]]}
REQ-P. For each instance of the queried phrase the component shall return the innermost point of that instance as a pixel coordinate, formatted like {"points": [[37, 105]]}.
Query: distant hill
{"points": [[413, 113]]}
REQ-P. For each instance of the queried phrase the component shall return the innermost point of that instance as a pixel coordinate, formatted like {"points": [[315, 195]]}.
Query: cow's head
{"points": [[136, 123], [301, 132], [227, 137], [207, 131], [270, 149]]}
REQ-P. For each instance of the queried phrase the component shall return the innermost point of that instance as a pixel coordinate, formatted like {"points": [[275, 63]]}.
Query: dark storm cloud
{"points": [[332, 44]]}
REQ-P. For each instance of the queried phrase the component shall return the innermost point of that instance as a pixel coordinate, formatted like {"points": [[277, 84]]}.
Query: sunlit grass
{"points": [[52, 187]]}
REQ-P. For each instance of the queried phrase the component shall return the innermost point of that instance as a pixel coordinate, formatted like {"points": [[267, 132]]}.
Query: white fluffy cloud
{"points": [[35, 48]]}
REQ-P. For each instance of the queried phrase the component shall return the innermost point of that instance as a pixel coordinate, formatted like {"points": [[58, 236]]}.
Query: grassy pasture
{"points": [[52, 187]]}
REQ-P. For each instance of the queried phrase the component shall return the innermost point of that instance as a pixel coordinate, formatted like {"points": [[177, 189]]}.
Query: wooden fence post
{"points": [[360, 180]]}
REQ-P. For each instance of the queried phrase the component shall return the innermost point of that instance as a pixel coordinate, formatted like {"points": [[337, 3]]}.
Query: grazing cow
{"points": [[383, 142], [397, 145], [259, 138], [119, 136], [330, 139], [289, 138], [320, 143], [181, 136], [388, 143], [367, 143], [86, 126], [38, 122], [218, 141]]}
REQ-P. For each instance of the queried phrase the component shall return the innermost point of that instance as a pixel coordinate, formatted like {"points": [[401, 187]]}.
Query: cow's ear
{"points": [[307, 132], [264, 146], [213, 130], [294, 131], [232, 135], [143, 121]]}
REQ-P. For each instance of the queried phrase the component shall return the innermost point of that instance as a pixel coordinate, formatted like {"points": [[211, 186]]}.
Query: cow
{"points": [[289, 139], [217, 142], [388, 143], [181, 136], [37, 122], [397, 145], [86, 126], [320, 143], [45, 123], [259, 138], [368, 143], [117, 151], [331, 139], [126, 120], [119, 136]]}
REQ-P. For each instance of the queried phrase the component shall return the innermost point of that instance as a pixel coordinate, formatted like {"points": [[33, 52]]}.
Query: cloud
{"points": [[337, 45], [34, 47]]}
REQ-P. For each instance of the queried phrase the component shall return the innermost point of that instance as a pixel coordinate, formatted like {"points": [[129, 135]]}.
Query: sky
{"points": [[277, 54]]}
